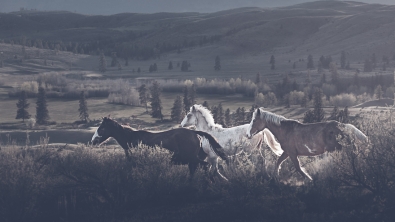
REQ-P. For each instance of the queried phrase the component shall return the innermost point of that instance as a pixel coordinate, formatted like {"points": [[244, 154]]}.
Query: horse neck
{"points": [[121, 135], [274, 129], [203, 125]]}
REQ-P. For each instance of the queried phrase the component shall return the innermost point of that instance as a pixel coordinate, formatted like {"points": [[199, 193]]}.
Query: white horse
{"points": [[231, 139]]}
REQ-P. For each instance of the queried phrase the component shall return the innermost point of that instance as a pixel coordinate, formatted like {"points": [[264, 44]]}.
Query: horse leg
{"points": [[192, 169], [300, 169], [214, 163], [280, 161]]}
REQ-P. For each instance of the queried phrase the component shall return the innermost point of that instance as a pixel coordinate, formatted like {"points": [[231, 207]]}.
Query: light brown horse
{"points": [[298, 139]]}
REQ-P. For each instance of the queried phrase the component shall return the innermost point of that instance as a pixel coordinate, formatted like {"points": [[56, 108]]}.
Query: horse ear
{"points": [[193, 108], [258, 111], [109, 116]]}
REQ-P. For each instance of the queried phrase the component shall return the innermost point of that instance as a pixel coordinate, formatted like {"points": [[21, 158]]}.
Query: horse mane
{"points": [[206, 114], [270, 117]]}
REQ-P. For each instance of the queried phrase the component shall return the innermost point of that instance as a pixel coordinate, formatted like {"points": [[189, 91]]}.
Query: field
{"points": [[50, 172], [78, 183]]}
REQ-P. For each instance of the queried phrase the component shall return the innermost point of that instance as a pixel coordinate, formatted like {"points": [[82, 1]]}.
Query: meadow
{"points": [[83, 183]]}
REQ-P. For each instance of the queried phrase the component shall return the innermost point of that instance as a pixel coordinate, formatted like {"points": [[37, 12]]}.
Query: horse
{"points": [[229, 138], [298, 139], [186, 145]]}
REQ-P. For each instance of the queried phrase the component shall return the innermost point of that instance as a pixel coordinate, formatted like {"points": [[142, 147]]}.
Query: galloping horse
{"points": [[229, 138], [185, 144], [299, 139]]}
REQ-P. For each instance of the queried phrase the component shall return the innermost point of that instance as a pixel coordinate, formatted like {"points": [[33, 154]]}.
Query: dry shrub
{"points": [[343, 100]]}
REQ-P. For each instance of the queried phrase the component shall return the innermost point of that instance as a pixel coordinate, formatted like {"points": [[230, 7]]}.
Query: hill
{"points": [[322, 27]]}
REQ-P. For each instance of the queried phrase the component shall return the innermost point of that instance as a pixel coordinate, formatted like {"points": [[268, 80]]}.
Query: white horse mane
{"points": [[206, 114], [270, 117]]}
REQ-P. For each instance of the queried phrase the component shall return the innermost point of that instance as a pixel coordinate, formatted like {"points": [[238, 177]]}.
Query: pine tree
{"points": [[214, 111], [343, 60], [334, 73], [258, 79], [42, 115], [374, 61], [84, 116], [242, 114], [378, 92], [170, 67], [309, 117], [334, 114], [310, 62], [217, 65], [156, 104], [22, 106], [177, 110], [205, 104], [346, 115], [185, 66], [318, 111], [143, 96], [227, 117], [237, 115], [186, 99], [220, 115], [192, 95], [272, 62], [367, 66], [102, 63], [114, 60]]}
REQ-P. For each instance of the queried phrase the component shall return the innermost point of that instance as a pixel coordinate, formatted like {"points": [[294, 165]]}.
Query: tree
{"points": [[205, 104], [192, 95], [343, 60], [186, 100], [177, 110], [334, 114], [22, 106], [272, 62], [378, 92], [42, 115], [214, 111], [242, 114], [346, 115], [374, 61], [227, 117], [308, 117], [170, 67], [367, 66], [310, 62], [220, 115], [318, 111], [114, 60], [84, 116], [102, 63], [258, 79], [143, 96], [334, 73], [156, 103], [138, 70], [217, 65], [185, 66]]}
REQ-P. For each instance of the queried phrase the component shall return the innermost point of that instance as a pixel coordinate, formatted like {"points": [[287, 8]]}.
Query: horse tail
{"points": [[217, 148], [356, 132], [270, 140]]}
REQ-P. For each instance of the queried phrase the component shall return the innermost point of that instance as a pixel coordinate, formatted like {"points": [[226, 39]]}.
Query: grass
{"points": [[84, 183]]}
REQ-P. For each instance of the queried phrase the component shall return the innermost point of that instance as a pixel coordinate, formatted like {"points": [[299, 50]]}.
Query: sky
{"points": [[106, 7]]}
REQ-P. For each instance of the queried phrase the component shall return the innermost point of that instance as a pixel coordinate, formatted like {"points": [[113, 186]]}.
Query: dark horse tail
{"points": [[217, 148]]}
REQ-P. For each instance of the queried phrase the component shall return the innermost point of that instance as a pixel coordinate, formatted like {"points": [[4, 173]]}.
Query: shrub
{"points": [[343, 100]]}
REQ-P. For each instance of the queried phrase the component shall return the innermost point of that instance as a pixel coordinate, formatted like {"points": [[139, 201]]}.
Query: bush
{"points": [[343, 100]]}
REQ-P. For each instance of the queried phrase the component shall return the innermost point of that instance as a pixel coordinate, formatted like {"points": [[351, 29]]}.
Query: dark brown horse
{"points": [[185, 144], [298, 139]]}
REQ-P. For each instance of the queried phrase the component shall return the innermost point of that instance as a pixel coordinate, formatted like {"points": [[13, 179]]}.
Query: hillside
{"points": [[318, 27]]}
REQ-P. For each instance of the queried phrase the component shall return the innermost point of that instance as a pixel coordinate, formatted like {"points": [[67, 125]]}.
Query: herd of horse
{"points": [[285, 137]]}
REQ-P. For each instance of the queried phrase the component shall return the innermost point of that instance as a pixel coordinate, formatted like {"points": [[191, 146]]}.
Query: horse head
{"points": [[190, 119], [103, 132], [256, 125]]}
